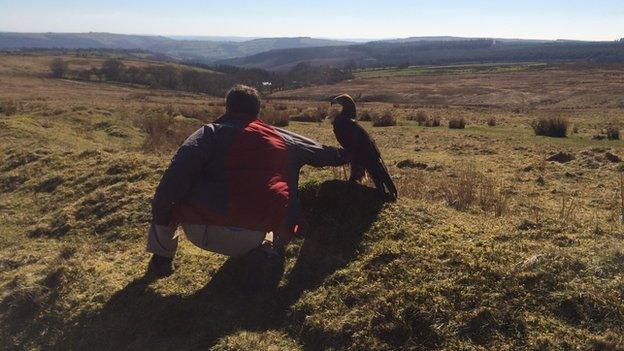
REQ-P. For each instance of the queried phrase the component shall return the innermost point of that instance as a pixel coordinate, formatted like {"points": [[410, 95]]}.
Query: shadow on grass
{"points": [[136, 317]]}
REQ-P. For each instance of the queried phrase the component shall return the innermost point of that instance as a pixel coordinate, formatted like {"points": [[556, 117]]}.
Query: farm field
{"points": [[500, 239], [451, 69]]}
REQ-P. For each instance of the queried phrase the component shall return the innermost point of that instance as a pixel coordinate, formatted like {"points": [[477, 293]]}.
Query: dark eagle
{"points": [[365, 156]]}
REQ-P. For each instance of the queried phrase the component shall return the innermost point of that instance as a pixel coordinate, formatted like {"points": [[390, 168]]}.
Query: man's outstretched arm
{"points": [[310, 152]]}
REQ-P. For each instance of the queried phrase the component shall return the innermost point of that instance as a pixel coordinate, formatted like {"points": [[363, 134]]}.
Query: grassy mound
{"points": [[364, 275]]}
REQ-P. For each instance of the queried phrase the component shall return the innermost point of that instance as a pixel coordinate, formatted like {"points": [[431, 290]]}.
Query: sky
{"points": [[527, 19]]}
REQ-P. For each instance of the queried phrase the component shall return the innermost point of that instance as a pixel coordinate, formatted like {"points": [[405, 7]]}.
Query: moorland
{"points": [[501, 239]]}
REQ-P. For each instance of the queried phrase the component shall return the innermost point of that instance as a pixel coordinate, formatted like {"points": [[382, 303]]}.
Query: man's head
{"points": [[243, 99]]}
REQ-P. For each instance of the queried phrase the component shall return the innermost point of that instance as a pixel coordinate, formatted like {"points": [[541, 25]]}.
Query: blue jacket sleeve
{"points": [[186, 167]]}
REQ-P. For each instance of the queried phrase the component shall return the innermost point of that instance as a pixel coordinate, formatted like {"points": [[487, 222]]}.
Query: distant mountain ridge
{"points": [[198, 50], [285, 53]]}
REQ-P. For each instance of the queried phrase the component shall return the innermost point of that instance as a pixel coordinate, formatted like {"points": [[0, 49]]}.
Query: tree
{"points": [[58, 68], [112, 69]]}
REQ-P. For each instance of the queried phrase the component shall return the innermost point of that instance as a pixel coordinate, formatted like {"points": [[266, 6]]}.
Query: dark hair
{"points": [[242, 99]]}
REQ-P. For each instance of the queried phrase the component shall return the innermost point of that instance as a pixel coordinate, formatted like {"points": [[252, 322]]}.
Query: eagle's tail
{"points": [[383, 181]]}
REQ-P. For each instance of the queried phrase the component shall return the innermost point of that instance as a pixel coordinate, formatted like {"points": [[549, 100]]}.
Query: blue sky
{"points": [[546, 19]]}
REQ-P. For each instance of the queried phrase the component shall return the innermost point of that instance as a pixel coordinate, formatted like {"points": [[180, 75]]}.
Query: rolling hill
{"points": [[434, 52], [198, 50]]}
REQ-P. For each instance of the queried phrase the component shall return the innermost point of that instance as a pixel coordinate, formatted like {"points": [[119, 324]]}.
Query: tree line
{"points": [[200, 78]]}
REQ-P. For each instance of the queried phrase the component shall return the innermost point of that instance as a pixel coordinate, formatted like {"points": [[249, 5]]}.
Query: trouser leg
{"points": [[224, 240], [162, 241]]}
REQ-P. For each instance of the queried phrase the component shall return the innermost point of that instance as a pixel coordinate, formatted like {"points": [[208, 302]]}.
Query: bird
{"points": [[365, 156]]}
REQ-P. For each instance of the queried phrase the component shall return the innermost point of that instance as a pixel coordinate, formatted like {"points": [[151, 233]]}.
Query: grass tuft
{"points": [[431, 122], [556, 127], [385, 119], [612, 133], [8, 107], [366, 115], [457, 123], [420, 117]]}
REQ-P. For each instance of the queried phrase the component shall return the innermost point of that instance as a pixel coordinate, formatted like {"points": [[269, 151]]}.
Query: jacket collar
{"points": [[236, 117]]}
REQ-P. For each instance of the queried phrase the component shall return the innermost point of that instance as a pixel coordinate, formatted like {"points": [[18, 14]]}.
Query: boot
{"points": [[160, 267]]}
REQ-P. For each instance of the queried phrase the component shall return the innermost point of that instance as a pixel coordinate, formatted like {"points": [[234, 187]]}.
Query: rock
{"points": [[561, 157], [613, 158]]}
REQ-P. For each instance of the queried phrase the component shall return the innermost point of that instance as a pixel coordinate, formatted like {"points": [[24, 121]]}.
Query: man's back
{"points": [[246, 182]]}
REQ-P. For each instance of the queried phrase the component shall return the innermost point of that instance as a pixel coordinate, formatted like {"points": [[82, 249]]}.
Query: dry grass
{"points": [[469, 188], [311, 115], [278, 118], [206, 114], [164, 132]]}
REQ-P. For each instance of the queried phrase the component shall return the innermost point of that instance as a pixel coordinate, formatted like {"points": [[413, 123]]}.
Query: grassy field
{"points": [[453, 69], [490, 246]]}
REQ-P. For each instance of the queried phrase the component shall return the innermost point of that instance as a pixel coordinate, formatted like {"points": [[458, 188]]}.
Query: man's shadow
{"points": [[334, 218]]}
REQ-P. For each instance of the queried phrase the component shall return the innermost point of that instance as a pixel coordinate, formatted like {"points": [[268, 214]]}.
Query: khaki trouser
{"points": [[230, 241]]}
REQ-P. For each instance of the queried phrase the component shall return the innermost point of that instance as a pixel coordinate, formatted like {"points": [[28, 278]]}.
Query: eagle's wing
{"points": [[348, 139], [366, 154]]}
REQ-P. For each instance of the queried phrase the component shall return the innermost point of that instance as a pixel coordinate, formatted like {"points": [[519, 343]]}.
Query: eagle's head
{"points": [[347, 103]]}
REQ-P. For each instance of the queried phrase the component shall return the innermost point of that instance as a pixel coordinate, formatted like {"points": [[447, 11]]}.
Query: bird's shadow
{"points": [[334, 218]]}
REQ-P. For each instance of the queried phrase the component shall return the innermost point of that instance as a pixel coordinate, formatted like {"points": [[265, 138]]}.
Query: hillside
{"points": [[428, 52], [501, 240], [511, 86], [197, 50]]}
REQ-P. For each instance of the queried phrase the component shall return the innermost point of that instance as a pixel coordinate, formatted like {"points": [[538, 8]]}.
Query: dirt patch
{"points": [[561, 157], [411, 164]]}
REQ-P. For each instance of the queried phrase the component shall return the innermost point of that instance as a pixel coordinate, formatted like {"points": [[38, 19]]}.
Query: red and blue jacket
{"points": [[239, 172]]}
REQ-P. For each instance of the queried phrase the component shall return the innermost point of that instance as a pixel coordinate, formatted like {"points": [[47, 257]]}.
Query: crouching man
{"points": [[232, 187]]}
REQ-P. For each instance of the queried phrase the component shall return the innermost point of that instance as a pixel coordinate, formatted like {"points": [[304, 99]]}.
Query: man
{"points": [[232, 186]]}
